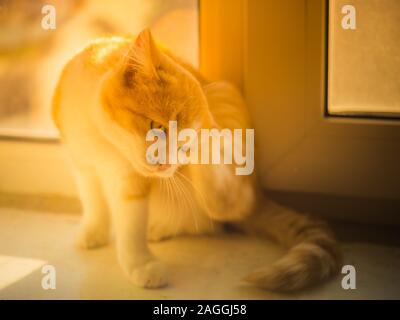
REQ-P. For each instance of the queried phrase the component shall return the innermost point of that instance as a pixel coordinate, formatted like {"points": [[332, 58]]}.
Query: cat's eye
{"points": [[157, 125]]}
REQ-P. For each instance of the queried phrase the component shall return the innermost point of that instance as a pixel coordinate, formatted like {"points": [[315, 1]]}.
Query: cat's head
{"points": [[147, 90]]}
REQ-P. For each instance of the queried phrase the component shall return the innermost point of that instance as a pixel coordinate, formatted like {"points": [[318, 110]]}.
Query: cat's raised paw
{"points": [[151, 275], [91, 237]]}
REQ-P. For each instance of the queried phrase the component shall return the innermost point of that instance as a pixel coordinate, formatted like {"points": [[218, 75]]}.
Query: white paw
{"points": [[151, 275], [90, 237]]}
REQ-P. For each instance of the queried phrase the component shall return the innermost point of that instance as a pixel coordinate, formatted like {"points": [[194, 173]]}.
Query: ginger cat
{"points": [[108, 97]]}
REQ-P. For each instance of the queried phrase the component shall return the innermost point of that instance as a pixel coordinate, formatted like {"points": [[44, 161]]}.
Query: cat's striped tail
{"points": [[313, 255]]}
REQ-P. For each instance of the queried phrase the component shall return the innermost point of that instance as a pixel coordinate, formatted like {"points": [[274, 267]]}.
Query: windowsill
{"points": [[27, 126], [41, 203], [34, 167], [218, 263], [43, 135]]}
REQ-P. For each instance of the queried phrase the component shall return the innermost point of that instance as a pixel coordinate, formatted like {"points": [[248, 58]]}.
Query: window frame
{"points": [[295, 163]]}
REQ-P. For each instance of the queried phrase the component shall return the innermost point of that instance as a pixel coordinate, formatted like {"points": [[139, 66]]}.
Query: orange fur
{"points": [[107, 97]]}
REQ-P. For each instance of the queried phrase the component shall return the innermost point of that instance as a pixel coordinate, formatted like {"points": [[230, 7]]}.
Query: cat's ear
{"points": [[144, 56]]}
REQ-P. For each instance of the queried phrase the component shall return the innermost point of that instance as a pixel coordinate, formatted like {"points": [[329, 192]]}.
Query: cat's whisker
{"points": [[189, 204], [172, 193], [166, 199], [171, 197], [202, 199], [163, 191], [176, 187]]}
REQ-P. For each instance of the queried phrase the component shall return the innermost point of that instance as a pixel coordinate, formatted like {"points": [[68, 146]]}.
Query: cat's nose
{"points": [[162, 167]]}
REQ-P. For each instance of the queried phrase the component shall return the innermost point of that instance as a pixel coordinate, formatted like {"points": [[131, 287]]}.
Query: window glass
{"points": [[364, 57]]}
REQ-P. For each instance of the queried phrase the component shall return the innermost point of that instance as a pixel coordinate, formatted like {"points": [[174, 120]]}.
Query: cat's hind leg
{"points": [[94, 230]]}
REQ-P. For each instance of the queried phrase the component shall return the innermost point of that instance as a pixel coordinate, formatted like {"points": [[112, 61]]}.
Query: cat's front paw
{"points": [[91, 237], [151, 275]]}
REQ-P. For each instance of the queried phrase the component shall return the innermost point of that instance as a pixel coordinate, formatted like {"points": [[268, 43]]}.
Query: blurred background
{"points": [[32, 58]]}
